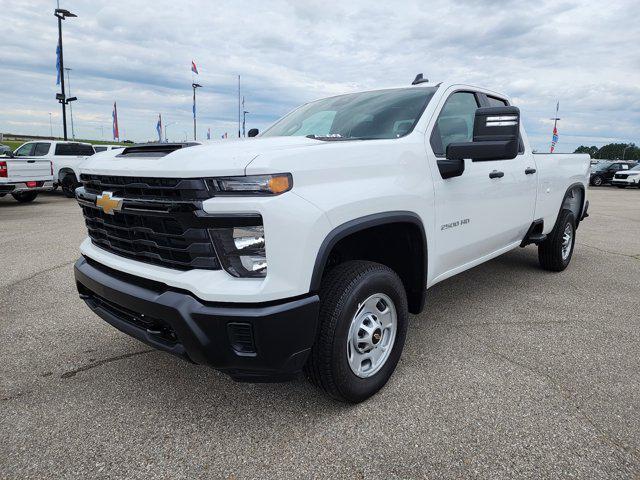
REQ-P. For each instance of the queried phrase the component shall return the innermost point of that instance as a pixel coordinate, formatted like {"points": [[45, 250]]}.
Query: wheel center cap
{"points": [[377, 335]]}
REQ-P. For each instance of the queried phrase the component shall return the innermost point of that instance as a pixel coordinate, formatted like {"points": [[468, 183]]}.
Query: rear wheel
{"points": [[361, 332], [555, 252], [69, 184], [25, 197], [596, 181]]}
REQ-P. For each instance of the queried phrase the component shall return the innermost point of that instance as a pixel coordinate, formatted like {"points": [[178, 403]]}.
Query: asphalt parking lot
{"points": [[510, 372]]}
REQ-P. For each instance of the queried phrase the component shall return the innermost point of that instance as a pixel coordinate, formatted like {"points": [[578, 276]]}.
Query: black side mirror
{"points": [[496, 134], [253, 132]]}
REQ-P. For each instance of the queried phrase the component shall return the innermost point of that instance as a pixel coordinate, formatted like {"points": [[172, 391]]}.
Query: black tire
{"points": [[69, 184], [343, 288], [25, 197], [550, 252], [597, 181]]}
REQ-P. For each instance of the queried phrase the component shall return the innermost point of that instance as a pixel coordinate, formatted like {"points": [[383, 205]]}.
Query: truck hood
{"points": [[215, 158]]}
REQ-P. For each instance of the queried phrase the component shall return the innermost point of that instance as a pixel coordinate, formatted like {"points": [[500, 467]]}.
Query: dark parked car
{"points": [[603, 172], [4, 149]]}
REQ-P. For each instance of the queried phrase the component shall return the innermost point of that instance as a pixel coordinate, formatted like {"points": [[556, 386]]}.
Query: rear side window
{"points": [[41, 149], [496, 102], [77, 149], [25, 150], [99, 149], [455, 122]]}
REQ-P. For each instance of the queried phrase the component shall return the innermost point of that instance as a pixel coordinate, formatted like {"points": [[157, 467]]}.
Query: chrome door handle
{"points": [[496, 174], [530, 171]]}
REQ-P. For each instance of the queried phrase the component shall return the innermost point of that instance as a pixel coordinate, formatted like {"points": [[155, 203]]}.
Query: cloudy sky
{"points": [[584, 53]]}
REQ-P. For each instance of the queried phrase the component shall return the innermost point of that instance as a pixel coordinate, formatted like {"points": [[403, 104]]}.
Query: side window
{"points": [[25, 150], [41, 149], [99, 149], [455, 122], [496, 102], [615, 167]]}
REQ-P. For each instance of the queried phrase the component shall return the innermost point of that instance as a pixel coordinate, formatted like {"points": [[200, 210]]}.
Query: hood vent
{"points": [[154, 150]]}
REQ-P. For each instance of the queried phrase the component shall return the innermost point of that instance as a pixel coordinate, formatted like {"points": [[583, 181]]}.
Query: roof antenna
{"points": [[419, 79]]}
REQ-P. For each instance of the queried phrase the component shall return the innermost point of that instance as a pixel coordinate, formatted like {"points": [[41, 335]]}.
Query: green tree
{"points": [[612, 151]]}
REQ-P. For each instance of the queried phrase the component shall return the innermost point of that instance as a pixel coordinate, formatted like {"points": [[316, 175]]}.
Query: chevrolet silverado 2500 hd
{"points": [[306, 247]]}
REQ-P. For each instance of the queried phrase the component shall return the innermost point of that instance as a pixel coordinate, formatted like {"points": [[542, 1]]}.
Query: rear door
{"points": [[488, 207], [29, 162]]}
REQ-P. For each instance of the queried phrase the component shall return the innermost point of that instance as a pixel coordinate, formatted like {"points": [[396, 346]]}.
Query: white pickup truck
{"points": [[65, 156], [306, 247], [24, 178]]}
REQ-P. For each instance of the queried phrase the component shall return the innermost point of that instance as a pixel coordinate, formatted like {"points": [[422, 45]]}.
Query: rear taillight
{"points": [[3, 170], [32, 184]]}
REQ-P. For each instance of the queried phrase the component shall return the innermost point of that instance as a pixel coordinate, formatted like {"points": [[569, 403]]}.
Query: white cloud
{"points": [[139, 52]]}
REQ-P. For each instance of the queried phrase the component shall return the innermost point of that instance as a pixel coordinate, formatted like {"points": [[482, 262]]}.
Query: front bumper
{"points": [[266, 342], [627, 182], [20, 187]]}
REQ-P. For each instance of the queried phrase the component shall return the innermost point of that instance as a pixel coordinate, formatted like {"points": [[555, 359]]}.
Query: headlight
{"points": [[241, 250], [253, 184]]}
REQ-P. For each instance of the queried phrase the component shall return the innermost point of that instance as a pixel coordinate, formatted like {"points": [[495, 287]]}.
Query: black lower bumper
{"points": [[268, 342]]}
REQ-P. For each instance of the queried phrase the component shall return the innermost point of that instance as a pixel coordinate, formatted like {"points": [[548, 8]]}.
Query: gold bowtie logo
{"points": [[109, 204]]}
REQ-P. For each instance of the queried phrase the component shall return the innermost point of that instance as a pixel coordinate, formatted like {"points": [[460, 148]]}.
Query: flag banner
{"points": [[159, 127], [555, 136], [58, 64], [116, 134], [194, 69]]}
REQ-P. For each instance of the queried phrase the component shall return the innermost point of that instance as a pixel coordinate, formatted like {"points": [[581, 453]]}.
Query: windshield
{"points": [[356, 116], [636, 168], [602, 166]]}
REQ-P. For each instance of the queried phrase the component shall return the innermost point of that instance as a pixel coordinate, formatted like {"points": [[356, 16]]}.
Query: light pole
{"points": [[50, 126], [166, 138], [194, 85], [73, 131], [62, 14], [624, 151]]}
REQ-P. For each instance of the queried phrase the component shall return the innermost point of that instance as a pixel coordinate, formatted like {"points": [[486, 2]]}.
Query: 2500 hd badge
{"points": [[457, 223]]}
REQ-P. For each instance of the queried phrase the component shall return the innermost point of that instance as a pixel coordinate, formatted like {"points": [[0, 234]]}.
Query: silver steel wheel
{"points": [[567, 241], [371, 335]]}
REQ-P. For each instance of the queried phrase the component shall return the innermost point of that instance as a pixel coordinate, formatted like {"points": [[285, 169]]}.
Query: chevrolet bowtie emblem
{"points": [[109, 204]]}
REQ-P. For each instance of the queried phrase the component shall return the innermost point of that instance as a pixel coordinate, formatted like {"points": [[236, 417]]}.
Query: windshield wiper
{"points": [[335, 137]]}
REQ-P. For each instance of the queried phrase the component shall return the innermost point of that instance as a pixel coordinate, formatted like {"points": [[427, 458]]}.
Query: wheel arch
{"points": [[569, 202], [411, 266], [64, 171]]}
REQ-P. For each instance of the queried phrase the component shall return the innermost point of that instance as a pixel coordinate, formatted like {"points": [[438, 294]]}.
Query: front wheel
{"points": [[555, 252], [69, 184], [25, 197], [596, 181], [361, 332]]}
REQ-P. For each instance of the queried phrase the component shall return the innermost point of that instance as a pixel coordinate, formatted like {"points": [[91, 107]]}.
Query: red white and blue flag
{"points": [[116, 134], [554, 138], [159, 127], [194, 69]]}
